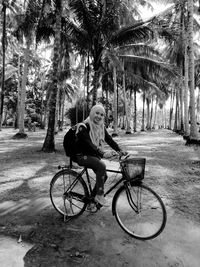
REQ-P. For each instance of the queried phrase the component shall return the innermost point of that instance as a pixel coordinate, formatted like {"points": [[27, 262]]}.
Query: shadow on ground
{"points": [[26, 212]]}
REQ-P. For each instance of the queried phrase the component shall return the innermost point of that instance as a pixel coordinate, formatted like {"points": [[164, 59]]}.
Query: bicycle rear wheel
{"points": [[139, 211], [68, 193]]}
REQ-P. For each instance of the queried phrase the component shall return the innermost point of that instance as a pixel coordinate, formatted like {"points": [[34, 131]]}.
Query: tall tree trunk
{"points": [[4, 6], [19, 91], [62, 115], [181, 105], [151, 114], [95, 85], [155, 113], [22, 93], [171, 109], [107, 121], [56, 126], [198, 106], [115, 101], [42, 104], [186, 96], [143, 107], [128, 128], [193, 125], [49, 143], [135, 112], [88, 82], [176, 120], [148, 113]]}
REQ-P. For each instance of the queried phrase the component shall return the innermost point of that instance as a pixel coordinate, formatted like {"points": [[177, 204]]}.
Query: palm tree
{"points": [[25, 34], [4, 6], [95, 28], [49, 142], [193, 127], [184, 22], [186, 97], [115, 101], [146, 72]]}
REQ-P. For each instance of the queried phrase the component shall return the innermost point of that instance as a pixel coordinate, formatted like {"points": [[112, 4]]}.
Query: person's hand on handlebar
{"points": [[109, 154], [123, 153], [113, 154]]}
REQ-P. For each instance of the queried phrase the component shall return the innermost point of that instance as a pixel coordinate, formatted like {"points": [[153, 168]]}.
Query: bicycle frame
{"points": [[85, 170], [116, 184], [126, 183]]}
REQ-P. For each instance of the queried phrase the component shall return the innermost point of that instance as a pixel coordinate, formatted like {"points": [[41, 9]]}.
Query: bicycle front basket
{"points": [[133, 168]]}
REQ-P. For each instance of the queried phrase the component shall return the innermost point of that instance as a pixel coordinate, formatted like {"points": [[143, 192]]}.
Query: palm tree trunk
{"points": [[49, 143], [193, 125], [22, 94], [62, 111], [88, 81], [56, 126], [176, 120], [115, 101], [198, 105], [95, 83], [143, 107], [148, 113], [4, 6], [128, 128], [181, 106], [155, 114], [19, 91], [171, 109], [135, 112], [151, 114], [186, 97]]}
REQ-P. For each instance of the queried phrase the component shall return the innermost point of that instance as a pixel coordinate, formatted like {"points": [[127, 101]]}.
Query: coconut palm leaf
{"points": [[149, 65], [141, 82], [136, 32]]}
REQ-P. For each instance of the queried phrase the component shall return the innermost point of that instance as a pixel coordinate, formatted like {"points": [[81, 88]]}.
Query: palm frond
{"points": [[133, 33], [78, 34], [85, 15], [149, 65], [141, 82], [140, 49]]}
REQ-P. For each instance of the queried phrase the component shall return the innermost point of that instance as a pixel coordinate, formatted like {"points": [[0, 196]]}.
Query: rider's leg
{"points": [[99, 168], [94, 191]]}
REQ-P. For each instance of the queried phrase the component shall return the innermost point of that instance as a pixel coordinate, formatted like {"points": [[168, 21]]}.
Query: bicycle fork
{"points": [[130, 193]]}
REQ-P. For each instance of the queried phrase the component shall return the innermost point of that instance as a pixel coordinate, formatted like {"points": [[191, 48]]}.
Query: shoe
{"points": [[91, 208], [101, 200]]}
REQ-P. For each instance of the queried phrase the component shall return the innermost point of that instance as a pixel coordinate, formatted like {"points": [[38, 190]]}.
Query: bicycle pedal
{"points": [[98, 205]]}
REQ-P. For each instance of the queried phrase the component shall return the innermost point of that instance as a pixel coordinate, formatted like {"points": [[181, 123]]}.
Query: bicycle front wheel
{"points": [[139, 211], [68, 193]]}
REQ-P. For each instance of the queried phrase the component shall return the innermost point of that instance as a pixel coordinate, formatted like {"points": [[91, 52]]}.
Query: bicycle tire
{"points": [[68, 193], [150, 219]]}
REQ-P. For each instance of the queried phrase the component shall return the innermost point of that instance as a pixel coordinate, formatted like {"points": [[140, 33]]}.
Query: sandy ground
{"points": [[32, 234]]}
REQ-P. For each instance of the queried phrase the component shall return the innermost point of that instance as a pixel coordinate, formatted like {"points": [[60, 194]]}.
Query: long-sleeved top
{"points": [[85, 146]]}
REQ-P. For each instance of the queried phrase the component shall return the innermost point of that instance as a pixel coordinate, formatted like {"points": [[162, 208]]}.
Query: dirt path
{"points": [[173, 170]]}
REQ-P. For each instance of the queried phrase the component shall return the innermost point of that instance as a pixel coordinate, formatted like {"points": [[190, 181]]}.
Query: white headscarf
{"points": [[97, 131]]}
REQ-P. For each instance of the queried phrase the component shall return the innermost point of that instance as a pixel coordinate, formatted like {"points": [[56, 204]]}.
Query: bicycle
{"points": [[139, 211]]}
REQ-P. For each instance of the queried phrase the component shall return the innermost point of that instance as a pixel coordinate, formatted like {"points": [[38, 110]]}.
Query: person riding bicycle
{"points": [[89, 150]]}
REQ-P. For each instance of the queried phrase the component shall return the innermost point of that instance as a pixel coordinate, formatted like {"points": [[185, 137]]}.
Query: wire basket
{"points": [[133, 168]]}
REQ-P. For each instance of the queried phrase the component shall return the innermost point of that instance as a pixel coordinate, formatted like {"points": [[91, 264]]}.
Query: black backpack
{"points": [[70, 140]]}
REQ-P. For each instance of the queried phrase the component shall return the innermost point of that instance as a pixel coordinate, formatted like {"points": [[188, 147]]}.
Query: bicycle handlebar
{"points": [[120, 156]]}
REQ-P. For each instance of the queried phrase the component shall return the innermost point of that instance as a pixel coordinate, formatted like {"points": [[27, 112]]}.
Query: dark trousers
{"points": [[99, 168]]}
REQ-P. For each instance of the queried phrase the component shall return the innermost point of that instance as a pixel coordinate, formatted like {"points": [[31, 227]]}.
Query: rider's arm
{"points": [[109, 140]]}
